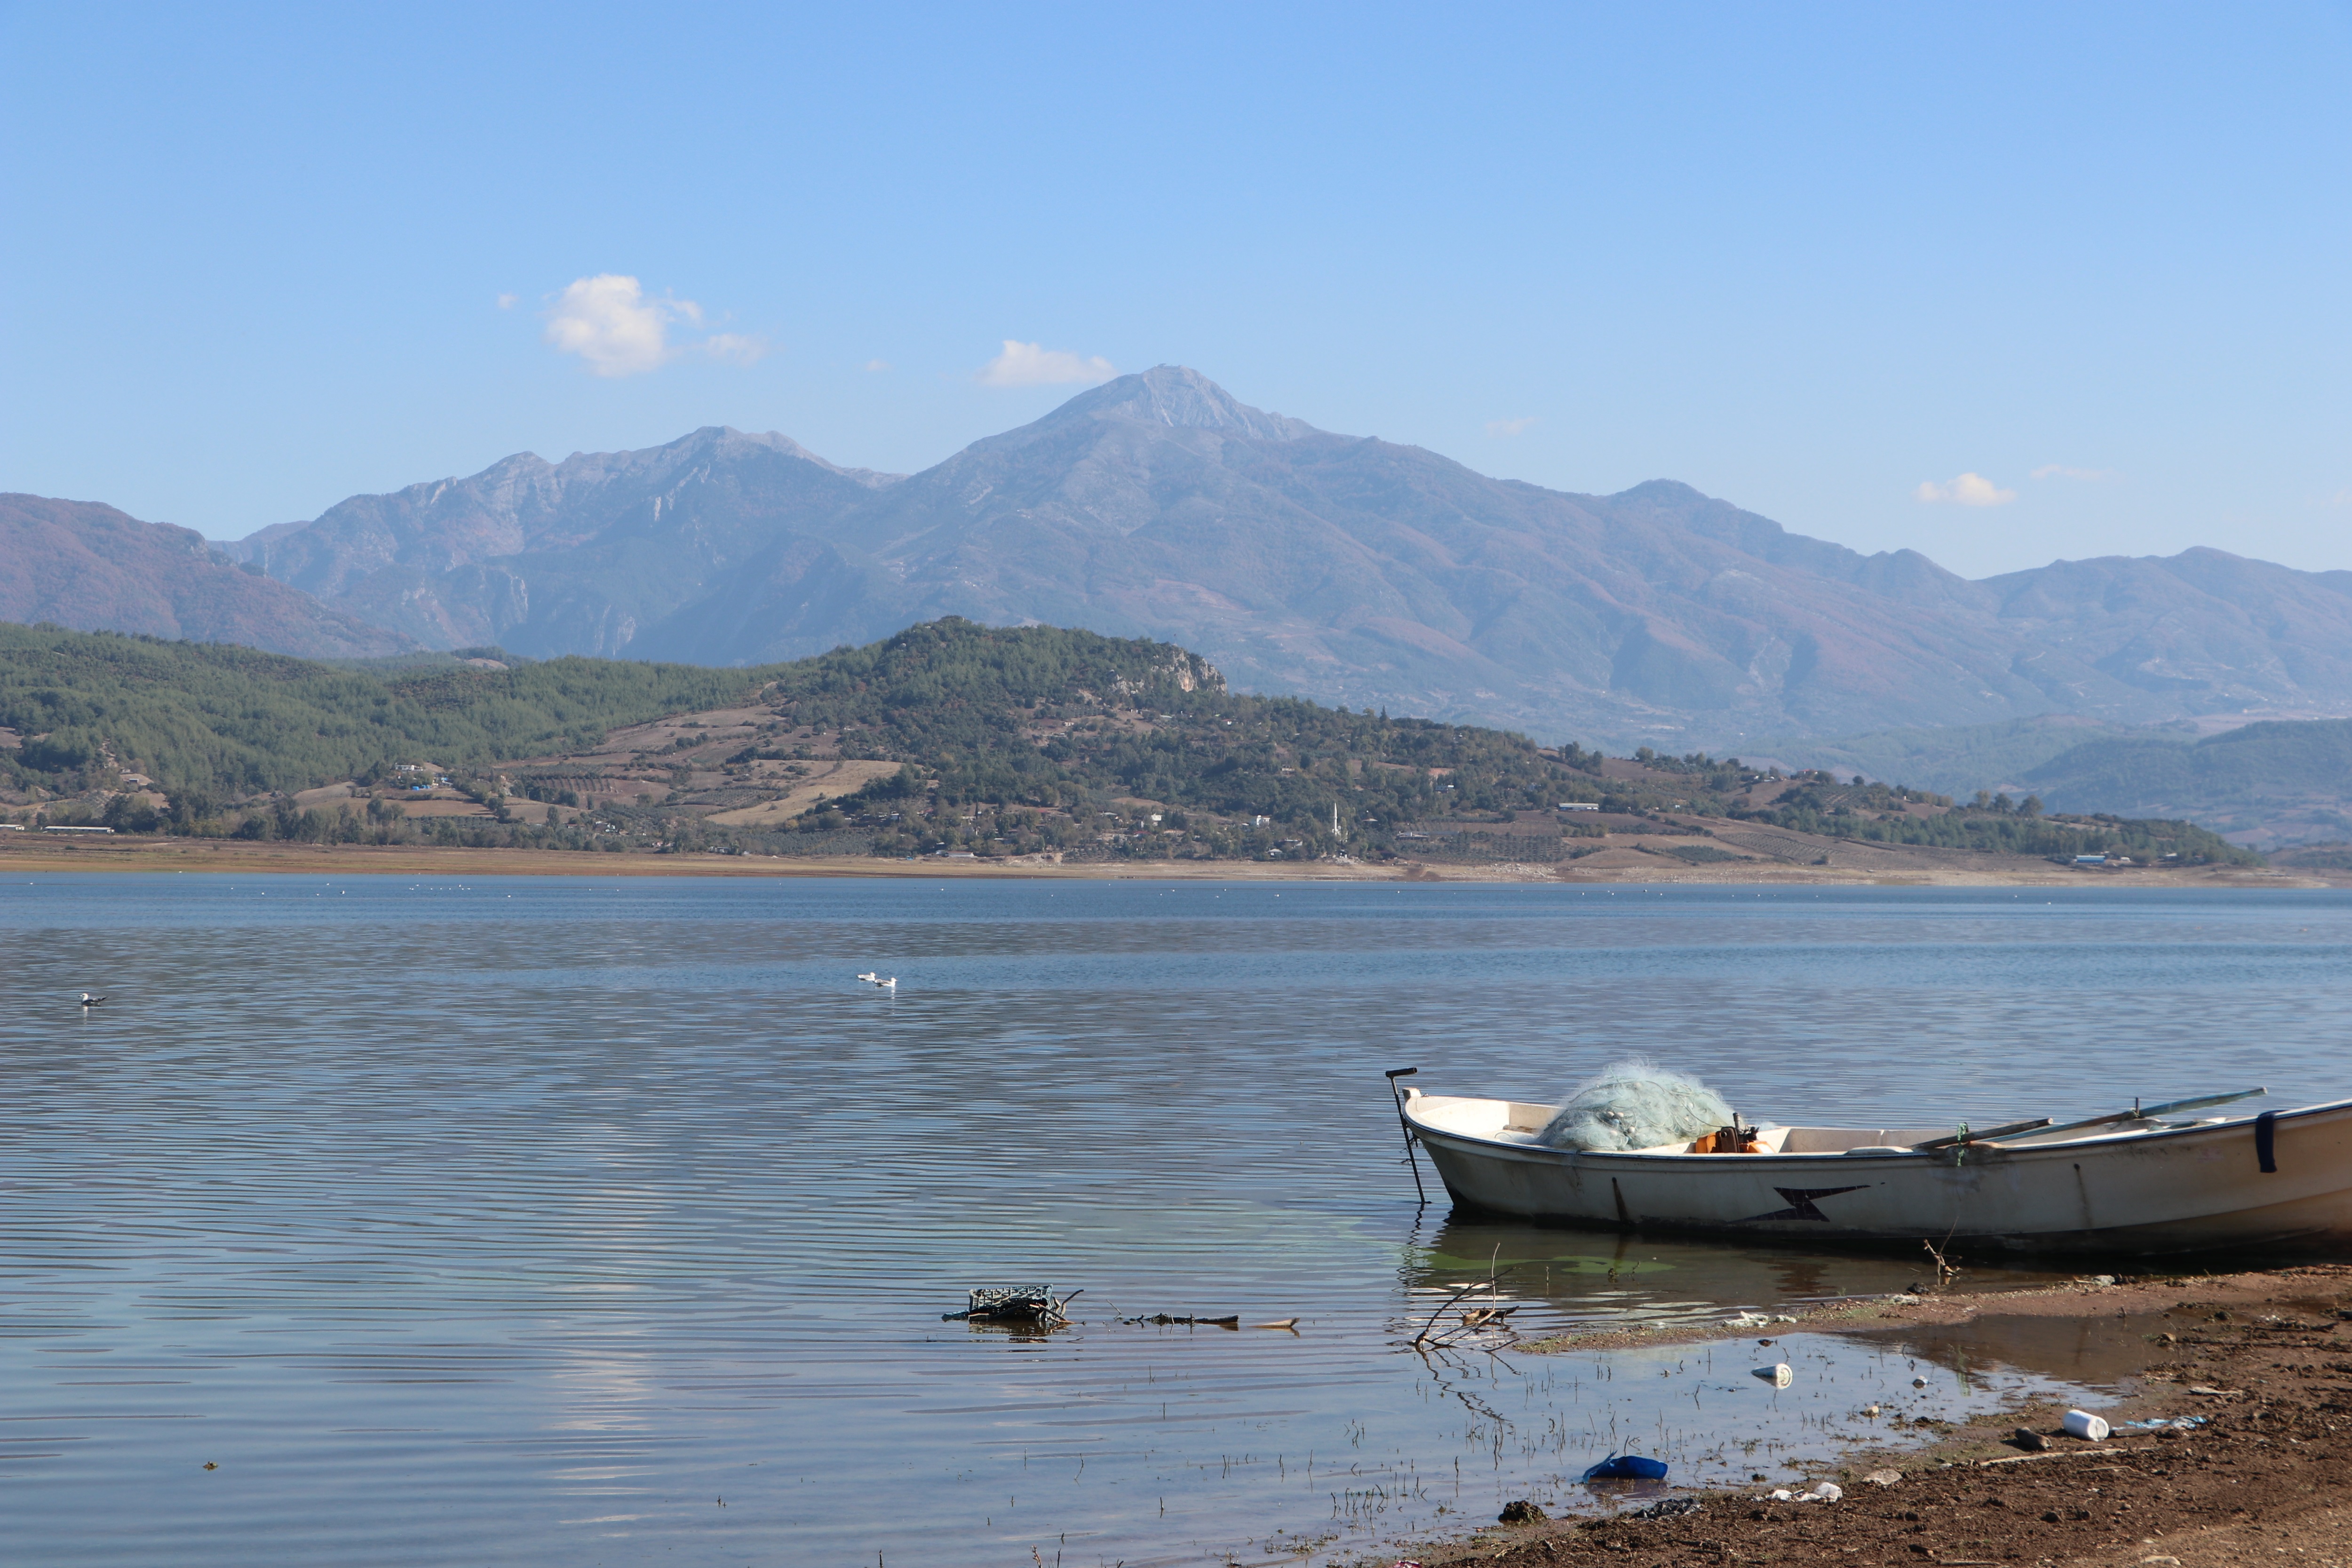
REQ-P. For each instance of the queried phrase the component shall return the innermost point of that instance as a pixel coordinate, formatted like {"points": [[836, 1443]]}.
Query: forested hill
{"points": [[78, 708], [949, 734], [1032, 715]]}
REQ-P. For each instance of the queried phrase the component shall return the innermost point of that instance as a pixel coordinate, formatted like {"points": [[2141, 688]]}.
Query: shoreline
{"points": [[2255, 1360], [30, 853]]}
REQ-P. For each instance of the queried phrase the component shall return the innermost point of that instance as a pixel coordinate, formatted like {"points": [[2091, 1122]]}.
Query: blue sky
{"points": [[2001, 284]]}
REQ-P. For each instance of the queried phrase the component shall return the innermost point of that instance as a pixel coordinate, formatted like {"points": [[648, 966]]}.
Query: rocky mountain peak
{"points": [[1170, 394]]}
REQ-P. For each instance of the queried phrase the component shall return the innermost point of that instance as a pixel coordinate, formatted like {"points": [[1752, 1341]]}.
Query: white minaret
{"points": [[1335, 820]]}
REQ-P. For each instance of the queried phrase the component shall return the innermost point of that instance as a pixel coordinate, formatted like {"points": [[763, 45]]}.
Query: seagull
{"points": [[871, 978], [890, 985], [90, 1001]]}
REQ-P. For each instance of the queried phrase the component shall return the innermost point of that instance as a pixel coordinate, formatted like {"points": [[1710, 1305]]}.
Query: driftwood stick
{"points": [[1444, 1310], [2099, 1453]]}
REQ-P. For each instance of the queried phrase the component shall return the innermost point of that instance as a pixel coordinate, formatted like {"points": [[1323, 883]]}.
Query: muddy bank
{"points": [[2259, 1363], [2091, 1295], [34, 853]]}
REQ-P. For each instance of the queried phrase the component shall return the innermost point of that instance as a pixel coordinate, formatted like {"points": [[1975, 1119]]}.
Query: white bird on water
{"points": [[890, 985], [871, 978], [90, 1001]]}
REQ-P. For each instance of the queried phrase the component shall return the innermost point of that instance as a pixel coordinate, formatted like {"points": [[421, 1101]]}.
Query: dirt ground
{"points": [[2264, 1359]]}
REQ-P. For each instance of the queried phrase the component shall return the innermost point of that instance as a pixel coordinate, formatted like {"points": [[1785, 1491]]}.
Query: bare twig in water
{"points": [[1480, 1316], [1440, 1312]]}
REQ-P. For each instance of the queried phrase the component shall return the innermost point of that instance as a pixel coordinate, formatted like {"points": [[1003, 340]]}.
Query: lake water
{"points": [[560, 1222]]}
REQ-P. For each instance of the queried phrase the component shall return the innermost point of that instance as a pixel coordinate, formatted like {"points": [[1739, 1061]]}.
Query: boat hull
{"points": [[2190, 1189]]}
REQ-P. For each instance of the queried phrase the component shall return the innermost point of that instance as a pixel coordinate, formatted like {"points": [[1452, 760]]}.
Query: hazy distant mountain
{"points": [[1343, 568], [2260, 784], [88, 567], [1960, 759], [547, 558]]}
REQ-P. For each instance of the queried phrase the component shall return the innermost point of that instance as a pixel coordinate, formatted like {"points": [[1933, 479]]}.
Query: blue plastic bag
{"points": [[1627, 1467]]}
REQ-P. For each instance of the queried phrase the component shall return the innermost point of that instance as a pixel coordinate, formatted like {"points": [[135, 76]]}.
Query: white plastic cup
{"points": [[2083, 1424], [1779, 1376]]}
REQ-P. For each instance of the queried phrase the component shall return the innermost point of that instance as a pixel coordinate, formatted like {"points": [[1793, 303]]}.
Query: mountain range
{"points": [[1347, 569], [88, 567]]}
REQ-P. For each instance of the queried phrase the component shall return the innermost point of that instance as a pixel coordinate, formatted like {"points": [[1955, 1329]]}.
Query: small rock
{"points": [[2102, 1279], [2032, 1442], [1522, 1511], [2159, 1562], [1667, 1508], [1918, 1382]]}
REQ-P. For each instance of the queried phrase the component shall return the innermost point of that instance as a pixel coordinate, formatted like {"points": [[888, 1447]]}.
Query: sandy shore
{"points": [[2261, 1358], [31, 852]]}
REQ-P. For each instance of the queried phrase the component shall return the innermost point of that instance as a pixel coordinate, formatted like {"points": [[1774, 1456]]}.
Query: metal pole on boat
{"points": [[1397, 1095]]}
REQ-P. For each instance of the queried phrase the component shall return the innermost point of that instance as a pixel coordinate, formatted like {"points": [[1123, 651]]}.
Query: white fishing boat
{"points": [[2154, 1180]]}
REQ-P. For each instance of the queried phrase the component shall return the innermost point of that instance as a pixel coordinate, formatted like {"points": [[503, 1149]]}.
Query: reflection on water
{"points": [[1601, 1280], [2100, 1352], [519, 1222]]}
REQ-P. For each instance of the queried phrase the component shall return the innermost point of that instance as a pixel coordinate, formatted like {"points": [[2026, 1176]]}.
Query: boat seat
{"points": [[1838, 1139]]}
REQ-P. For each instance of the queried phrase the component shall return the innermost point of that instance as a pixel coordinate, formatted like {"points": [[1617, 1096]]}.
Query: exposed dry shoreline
{"points": [[29, 852], [2265, 1359]]}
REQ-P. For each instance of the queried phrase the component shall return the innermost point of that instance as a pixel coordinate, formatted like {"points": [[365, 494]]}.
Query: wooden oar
{"points": [[2041, 1128], [2138, 1113], [1973, 1137]]}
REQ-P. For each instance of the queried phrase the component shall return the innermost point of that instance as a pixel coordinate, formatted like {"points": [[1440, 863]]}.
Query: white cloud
{"points": [[733, 348], [878, 364], [1967, 489], [505, 302], [1026, 364], [1509, 427], [608, 322], [2341, 498], [2061, 471]]}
